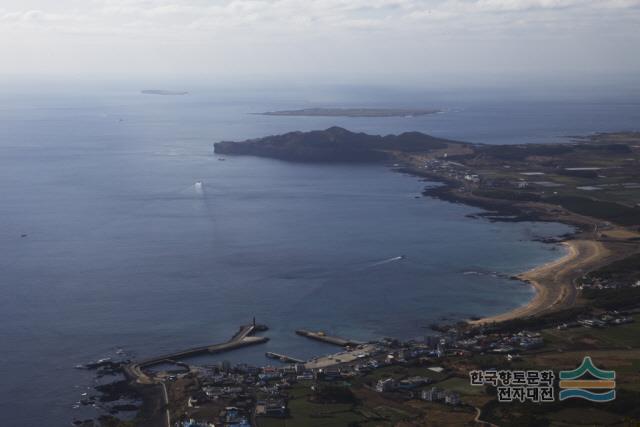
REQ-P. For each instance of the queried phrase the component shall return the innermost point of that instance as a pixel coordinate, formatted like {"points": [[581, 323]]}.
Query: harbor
{"points": [[243, 338]]}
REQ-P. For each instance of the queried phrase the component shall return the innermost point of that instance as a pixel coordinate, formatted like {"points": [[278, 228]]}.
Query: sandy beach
{"points": [[554, 282]]}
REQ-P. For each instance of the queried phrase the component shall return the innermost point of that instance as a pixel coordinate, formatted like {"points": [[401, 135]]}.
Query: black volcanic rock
{"points": [[334, 144]]}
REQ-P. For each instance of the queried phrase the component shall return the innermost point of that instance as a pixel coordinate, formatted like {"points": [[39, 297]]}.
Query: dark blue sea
{"points": [[108, 243]]}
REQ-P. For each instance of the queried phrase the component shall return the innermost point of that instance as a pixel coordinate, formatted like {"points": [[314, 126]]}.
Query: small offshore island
{"points": [[587, 302], [163, 92], [352, 112]]}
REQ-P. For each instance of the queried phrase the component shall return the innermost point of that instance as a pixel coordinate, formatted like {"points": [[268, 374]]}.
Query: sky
{"points": [[353, 40]]}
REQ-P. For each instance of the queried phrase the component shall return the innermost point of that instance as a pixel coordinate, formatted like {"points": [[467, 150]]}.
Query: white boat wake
{"points": [[198, 187], [388, 260]]}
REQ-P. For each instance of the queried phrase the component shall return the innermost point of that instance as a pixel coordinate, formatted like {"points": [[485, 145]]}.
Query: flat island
{"points": [[163, 92], [353, 112]]}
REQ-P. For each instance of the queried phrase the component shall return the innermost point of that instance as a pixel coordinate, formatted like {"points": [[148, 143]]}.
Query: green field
{"points": [[623, 336], [460, 385], [304, 412], [400, 372]]}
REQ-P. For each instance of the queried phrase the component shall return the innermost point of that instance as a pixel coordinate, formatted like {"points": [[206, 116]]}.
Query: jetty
{"points": [[243, 338], [283, 358], [321, 336]]}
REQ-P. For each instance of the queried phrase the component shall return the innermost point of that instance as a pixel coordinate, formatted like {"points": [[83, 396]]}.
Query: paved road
{"points": [[166, 403]]}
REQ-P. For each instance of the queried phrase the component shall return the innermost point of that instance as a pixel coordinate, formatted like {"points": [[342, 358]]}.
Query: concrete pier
{"points": [[242, 338], [321, 336], [283, 358]]}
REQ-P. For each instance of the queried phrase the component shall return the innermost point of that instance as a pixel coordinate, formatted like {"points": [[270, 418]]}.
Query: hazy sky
{"points": [[368, 39]]}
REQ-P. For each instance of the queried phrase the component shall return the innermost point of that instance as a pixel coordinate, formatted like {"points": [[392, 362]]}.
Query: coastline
{"points": [[554, 281], [599, 238], [551, 291]]}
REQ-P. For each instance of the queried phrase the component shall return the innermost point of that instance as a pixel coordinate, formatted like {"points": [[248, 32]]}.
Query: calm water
{"points": [[124, 251]]}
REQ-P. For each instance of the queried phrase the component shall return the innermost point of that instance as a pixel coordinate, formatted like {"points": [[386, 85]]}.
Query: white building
{"points": [[451, 398], [433, 394], [388, 384]]}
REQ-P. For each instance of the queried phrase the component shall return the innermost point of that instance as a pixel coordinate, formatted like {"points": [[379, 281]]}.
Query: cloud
{"points": [[163, 15], [349, 34]]}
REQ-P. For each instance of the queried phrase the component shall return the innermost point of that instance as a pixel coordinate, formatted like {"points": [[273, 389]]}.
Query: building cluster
{"points": [[412, 383], [409, 385], [271, 407], [453, 170], [501, 342], [597, 282], [435, 394], [243, 392], [606, 319], [193, 423]]}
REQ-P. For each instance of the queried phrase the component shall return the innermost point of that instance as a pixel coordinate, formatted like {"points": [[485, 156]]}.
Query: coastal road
{"points": [[585, 255], [166, 403], [479, 421]]}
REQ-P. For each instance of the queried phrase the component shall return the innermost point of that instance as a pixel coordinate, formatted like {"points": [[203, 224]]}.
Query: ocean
{"points": [[109, 243]]}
